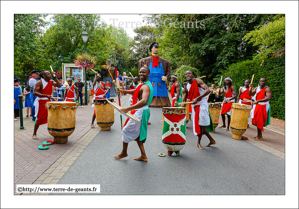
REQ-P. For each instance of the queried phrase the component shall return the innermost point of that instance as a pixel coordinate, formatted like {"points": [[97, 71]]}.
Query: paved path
{"points": [[30, 162], [88, 158]]}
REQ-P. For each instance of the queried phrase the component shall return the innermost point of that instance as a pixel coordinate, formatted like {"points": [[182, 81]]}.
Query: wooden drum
{"points": [[104, 114], [61, 120], [174, 129], [239, 119], [215, 109]]}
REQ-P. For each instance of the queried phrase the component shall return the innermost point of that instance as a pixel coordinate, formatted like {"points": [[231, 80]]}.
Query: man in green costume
{"points": [[135, 131]]}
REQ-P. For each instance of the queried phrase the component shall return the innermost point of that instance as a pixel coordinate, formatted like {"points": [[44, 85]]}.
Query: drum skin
{"points": [[239, 119], [174, 132], [104, 114], [61, 120], [215, 110]]}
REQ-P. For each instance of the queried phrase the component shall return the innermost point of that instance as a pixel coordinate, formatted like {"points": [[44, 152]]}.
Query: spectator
{"points": [[28, 102], [32, 81], [108, 87], [80, 86], [17, 92], [61, 90]]}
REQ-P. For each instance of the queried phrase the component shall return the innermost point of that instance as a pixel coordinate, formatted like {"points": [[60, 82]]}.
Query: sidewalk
{"points": [[29, 161], [273, 135]]}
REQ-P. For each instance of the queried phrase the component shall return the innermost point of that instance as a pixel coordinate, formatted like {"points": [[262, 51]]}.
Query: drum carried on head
{"points": [[215, 109], [61, 120], [104, 114], [174, 129], [239, 119]]}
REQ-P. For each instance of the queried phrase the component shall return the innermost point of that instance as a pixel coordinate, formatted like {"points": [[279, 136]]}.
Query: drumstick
{"points": [[251, 81], [202, 76], [131, 75], [185, 103], [220, 80], [215, 103]]}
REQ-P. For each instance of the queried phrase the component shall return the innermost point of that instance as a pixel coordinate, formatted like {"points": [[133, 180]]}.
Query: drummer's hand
{"points": [[48, 96], [124, 109], [251, 85], [219, 86], [119, 91], [225, 101], [164, 78], [175, 104], [255, 102], [196, 100]]}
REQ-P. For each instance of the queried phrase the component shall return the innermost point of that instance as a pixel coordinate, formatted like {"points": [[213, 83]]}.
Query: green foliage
{"points": [[180, 72], [270, 38], [272, 69]]}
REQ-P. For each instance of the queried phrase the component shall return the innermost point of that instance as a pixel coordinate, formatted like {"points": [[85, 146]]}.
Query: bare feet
{"points": [[227, 129], [141, 158], [211, 143], [92, 126], [199, 146], [223, 126], [249, 127], [257, 138], [120, 156], [34, 137]]}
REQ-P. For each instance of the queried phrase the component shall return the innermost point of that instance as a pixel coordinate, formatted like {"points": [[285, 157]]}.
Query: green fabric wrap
{"points": [[146, 115]]}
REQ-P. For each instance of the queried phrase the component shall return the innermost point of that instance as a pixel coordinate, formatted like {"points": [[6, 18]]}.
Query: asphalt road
{"points": [[231, 167]]}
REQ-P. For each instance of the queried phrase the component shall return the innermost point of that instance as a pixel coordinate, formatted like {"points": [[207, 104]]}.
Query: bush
{"points": [[271, 69], [180, 72]]}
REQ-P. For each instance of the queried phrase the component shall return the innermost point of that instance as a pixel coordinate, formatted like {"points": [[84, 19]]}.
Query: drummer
{"points": [[70, 92], [43, 91], [260, 112], [230, 95], [100, 93], [212, 96], [135, 131], [176, 91], [197, 91], [244, 95]]}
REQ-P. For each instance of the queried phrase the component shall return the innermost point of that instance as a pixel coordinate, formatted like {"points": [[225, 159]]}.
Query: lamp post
{"points": [[61, 59], [85, 39]]}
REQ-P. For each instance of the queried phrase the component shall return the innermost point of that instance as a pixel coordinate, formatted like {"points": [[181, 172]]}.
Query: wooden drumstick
{"points": [[202, 76], [185, 103], [220, 80], [131, 75], [251, 81]]}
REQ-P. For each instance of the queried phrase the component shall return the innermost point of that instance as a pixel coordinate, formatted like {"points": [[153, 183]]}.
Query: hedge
{"points": [[272, 69]]}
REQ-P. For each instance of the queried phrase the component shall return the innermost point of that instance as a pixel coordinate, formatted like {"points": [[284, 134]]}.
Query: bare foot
{"points": [[227, 129], [34, 137], [249, 127], [92, 126], [211, 143], [144, 159], [199, 146], [257, 138], [223, 126], [120, 156]]}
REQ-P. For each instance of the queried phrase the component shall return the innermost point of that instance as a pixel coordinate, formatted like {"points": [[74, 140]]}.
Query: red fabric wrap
{"points": [[172, 92], [156, 61], [42, 114], [134, 98], [192, 94], [99, 90], [226, 107], [173, 101], [245, 95], [70, 94], [260, 112]]}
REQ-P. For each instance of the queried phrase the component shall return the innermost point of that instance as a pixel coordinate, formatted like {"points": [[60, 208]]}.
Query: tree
{"points": [[27, 28], [270, 38]]}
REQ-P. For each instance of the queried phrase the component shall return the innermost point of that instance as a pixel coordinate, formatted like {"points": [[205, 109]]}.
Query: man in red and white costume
{"points": [[70, 92], [244, 97], [99, 93], [230, 95], [43, 91], [197, 91], [261, 110]]}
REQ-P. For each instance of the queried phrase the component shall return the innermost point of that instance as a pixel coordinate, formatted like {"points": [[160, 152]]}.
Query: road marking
{"points": [[275, 130]]}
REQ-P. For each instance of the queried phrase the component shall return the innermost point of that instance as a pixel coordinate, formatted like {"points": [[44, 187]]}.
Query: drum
{"points": [[215, 109], [104, 114], [61, 120], [174, 129], [239, 119]]}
